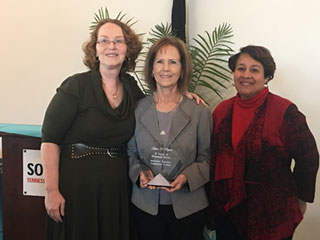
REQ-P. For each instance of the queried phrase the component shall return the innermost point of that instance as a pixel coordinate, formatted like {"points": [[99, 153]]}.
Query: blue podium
{"points": [[23, 216]]}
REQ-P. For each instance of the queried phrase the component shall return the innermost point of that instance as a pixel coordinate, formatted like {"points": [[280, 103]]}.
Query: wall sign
{"points": [[33, 179]]}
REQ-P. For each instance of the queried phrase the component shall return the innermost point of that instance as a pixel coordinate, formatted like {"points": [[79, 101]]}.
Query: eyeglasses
{"points": [[106, 42]]}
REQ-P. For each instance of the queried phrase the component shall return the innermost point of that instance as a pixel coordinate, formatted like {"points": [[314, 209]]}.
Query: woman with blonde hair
{"points": [[170, 150]]}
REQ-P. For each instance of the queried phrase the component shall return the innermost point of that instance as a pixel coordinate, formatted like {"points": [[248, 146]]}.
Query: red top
{"points": [[243, 113]]}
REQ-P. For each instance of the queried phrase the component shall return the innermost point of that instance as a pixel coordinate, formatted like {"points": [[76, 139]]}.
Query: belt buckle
{"points": [[110, 154]]}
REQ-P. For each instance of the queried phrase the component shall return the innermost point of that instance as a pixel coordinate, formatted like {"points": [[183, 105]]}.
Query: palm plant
{"points": [[103, 13], [209, 55]]}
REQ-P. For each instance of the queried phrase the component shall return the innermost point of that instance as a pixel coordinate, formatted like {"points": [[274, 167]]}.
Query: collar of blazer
{"points": [[180, 120]]}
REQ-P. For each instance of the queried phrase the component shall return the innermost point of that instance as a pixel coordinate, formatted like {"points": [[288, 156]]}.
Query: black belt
{"points": [[80, 150]]}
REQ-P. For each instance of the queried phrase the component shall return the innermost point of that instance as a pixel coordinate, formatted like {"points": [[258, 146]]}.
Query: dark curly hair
{"points": [[133, 42], [258, 53], [185, 59]]}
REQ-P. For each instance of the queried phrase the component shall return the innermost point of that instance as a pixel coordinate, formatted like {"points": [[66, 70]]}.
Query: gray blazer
{"points": [[190, 137]]}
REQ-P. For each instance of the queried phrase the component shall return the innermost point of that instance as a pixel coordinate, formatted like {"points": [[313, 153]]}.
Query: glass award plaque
{"points": [[165, 165], [159, 181]]}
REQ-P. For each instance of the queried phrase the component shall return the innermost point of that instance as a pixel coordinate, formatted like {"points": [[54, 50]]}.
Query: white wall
{"points": [[41, 45]]}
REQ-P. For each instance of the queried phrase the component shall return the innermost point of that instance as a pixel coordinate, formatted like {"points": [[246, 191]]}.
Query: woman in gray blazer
{"points": [[170, 150]]}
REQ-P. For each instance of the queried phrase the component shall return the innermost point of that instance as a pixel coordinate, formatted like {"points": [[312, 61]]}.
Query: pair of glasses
{"points": [[106, 42]]}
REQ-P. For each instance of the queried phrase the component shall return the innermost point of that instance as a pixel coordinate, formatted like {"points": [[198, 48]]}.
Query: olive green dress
{"points": [[95, 187]]}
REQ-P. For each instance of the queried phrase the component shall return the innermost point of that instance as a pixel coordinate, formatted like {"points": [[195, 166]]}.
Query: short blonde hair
{"points": [[185, 60]]}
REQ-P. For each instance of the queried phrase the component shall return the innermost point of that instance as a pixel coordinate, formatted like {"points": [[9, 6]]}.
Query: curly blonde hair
{"points": [[133, 42]]}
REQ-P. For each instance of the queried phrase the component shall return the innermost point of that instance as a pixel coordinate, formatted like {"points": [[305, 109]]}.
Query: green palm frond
{"points": [[103, 13], [160, 31], [209, 57], [144, 87], [130, 22]]}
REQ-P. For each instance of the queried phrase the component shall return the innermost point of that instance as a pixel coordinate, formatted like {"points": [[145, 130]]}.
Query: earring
{"points": [[96, 59]]}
